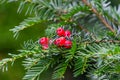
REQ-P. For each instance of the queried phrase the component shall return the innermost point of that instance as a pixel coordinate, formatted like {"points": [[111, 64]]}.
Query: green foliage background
{"points": [[8, 19]]}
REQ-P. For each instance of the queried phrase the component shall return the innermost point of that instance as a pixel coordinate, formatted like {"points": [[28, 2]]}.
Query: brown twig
{"points": [[111, 41], [99, 15], [104, 41], [82, 28], [87, 31]]}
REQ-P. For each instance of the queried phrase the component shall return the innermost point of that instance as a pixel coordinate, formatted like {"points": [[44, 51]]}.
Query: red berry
{"points": [[67, 33], [45, 47], [60, 41], [44, 41], [67, 44], [60, 31]]}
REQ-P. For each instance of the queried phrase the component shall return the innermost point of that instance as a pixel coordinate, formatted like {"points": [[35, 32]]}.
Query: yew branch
{"points": [[99, 16], [104, 41]]}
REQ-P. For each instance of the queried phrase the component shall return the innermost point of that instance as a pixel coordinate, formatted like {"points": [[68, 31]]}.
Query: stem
{"points": [[111, 41], [84, 29], [104, 41], [99, 16]]}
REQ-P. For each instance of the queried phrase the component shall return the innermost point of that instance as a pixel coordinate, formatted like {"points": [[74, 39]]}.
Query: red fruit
{"points": [[44, 41], [67, 33], [60, 41], [60, 31], [67, 44], [45, 47]]}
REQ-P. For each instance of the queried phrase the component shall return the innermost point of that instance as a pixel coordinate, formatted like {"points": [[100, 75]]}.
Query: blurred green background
{"points": [[8, 19]]}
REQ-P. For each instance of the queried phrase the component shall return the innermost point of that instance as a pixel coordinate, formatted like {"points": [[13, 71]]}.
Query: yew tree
{"points": [[81, 41]]}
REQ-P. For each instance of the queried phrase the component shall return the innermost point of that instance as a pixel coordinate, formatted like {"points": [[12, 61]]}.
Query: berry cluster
{"points": [[61, 41]]}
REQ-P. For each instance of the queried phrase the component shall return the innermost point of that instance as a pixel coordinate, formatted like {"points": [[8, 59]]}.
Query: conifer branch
{"points": [[24, 53], [104, 41], [88, 52], [98, 15], [84, 29]]}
